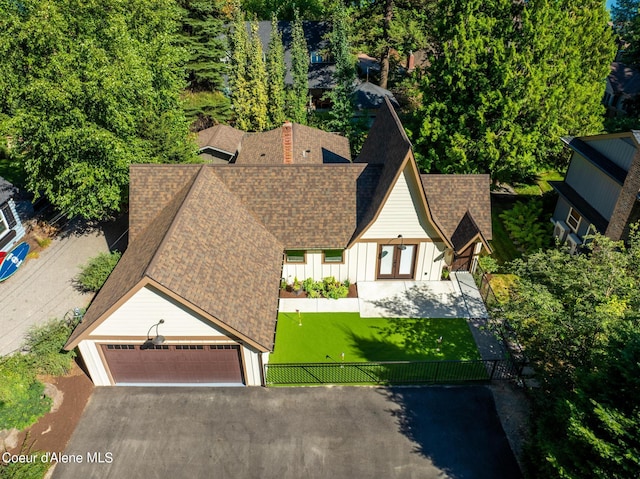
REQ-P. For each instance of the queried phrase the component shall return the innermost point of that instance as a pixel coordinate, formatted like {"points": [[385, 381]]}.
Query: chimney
{"points": [[411, 62], [287, 142]]}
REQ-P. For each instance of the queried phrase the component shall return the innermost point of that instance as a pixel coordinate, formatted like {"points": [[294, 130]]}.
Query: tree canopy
{"points": [[90, 88], [506, 80], [578, 319]]}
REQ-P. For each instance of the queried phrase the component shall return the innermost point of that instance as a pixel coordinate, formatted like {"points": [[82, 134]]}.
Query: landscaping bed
{"points": [[288, 292]]}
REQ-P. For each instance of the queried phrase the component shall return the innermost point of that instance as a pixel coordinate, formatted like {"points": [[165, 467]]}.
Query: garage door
{"points": [[174, 363]]}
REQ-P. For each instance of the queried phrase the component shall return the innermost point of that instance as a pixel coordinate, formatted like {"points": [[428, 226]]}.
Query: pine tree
{"points": [[257, 80], [275, 76], [201, 36], [298, 94], [341, 96], [238, 75]]}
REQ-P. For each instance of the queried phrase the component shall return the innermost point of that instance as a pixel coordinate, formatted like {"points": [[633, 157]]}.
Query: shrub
{"points": [[22, 400], [488, 264], [45, 344], [27, 470], [525, 226], [97, 270]]}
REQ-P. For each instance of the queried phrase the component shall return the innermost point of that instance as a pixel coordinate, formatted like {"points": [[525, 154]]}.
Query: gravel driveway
{"points": [[42, 289]]}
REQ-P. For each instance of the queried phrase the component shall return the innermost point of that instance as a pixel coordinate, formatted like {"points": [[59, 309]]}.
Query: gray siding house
{"points": [[601, 187], [11, 228]]}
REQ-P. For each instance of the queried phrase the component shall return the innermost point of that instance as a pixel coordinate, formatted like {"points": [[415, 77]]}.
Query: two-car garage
{"points": [[174, 364]]}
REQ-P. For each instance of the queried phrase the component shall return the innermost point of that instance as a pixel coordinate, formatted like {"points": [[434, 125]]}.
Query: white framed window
{"points": [[295, 256], [4, 226], [333, 256], [574, 219]]}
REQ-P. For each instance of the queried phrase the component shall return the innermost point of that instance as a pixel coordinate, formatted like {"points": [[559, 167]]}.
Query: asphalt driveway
{"points": [[338, 432]]}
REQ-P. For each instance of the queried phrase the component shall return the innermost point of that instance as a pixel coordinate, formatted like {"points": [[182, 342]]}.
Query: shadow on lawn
{"points": [[404, 339], [456, 428], [421, 301]]}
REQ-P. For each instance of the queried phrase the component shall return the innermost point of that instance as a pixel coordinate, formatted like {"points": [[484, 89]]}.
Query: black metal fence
{"points": [[484, 287], [391, 372]]}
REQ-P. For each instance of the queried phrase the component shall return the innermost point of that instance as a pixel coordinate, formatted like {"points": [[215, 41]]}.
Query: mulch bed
{"points": [[53, 430], [289, 293]]}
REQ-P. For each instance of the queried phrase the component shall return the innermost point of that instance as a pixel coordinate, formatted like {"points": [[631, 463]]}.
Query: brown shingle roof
{"points": [[451, 196], [152, 188], [219, 257], [131, 268], [208, 249], [310, 147], [388, 147], [221, 137], [304, 206]]}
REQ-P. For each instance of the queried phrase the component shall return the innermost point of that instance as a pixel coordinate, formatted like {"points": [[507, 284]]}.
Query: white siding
{"points": [[146, 308], [403, 213], [93, 362], [314, 268], [18, 228], [430, 261], [251, 361]]}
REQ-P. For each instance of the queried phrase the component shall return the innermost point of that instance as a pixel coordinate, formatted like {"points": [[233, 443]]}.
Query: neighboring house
{"points": [[368, 98], [600, 190], [210, 244], [322, 63], [622, 89], [219, 143], [222, 144], [11, 228]]}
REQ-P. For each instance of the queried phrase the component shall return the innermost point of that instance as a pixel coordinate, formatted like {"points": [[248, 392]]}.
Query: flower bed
{"points": [[326, 288]]}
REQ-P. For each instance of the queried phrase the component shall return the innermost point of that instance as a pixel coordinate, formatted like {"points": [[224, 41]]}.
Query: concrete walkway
{"points": [[43, 288]]}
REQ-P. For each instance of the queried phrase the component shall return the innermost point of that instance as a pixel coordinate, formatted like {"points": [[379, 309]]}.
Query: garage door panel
{"points": [[174, 364]]}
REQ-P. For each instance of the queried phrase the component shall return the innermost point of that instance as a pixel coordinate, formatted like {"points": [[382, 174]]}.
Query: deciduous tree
{"points": [[99, 89], [577, 317]]}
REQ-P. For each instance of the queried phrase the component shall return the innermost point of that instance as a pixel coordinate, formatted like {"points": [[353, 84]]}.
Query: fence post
{"points": [[493, 368]]}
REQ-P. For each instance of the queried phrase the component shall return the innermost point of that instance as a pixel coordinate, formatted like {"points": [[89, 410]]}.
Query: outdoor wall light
{"points": [[157, 340], [401, 247]]}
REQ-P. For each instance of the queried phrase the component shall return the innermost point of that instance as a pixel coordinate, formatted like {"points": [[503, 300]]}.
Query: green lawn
{"points": [[540, 186], [363, 339]]}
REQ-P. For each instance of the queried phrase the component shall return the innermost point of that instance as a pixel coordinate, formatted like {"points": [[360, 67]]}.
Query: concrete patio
{"points": [[457, 298]]}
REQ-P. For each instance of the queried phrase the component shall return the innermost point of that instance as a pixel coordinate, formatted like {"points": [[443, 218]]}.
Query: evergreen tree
{"points": [[507, 80], [275, 76], [238, 75], [298, 93], [341, 96], [257, 82], [202, 37]]}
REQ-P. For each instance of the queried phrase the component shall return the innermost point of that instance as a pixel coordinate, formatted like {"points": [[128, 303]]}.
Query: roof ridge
{"points": [[172, 224]]}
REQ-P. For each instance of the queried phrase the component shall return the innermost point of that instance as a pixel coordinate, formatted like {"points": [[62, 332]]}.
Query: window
{"points": [[573, 220], [295, 257], [333, 256]]}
